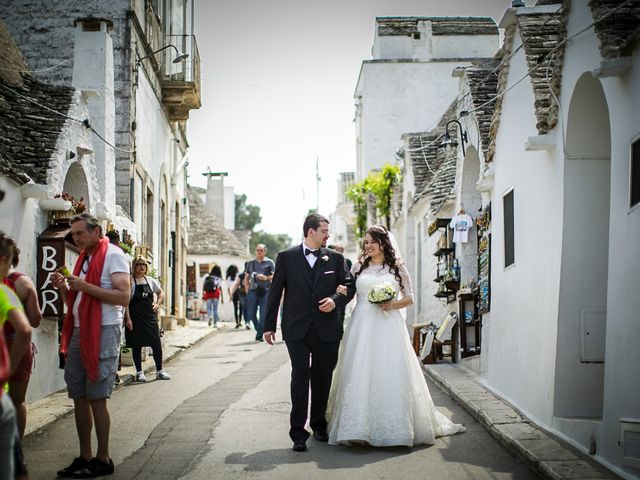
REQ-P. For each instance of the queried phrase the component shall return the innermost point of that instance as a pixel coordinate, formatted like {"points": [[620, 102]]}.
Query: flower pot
{"points": [[60, 216], [127, 357]]}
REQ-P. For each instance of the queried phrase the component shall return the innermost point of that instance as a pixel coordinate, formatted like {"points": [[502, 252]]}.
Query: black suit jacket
{"points": [[303, 288]]}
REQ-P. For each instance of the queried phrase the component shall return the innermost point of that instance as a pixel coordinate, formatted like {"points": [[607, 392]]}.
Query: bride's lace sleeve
{"points": [[355, 268], [407, 289]]}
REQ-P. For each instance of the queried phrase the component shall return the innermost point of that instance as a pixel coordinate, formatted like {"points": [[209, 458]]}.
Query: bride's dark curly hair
{"points": [[380, 235]]}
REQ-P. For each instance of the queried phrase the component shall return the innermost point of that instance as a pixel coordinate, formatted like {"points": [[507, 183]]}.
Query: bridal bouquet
{"points": [[381, 293]]}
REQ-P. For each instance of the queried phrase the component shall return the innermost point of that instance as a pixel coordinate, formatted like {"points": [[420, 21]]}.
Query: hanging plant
{"points": [[78, 205], [382, 185], [358, 196]]}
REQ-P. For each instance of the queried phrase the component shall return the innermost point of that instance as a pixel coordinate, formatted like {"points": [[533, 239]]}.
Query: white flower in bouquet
{"points": [[381, 293]]}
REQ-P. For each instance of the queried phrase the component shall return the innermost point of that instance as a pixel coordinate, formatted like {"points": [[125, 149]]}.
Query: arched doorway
{"points": [[582, 312], [75, 184]]}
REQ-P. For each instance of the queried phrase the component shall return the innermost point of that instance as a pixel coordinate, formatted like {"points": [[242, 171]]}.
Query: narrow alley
{"points": [[225, 414]]}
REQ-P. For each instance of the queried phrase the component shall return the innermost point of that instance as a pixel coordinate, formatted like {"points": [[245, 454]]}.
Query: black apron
{"points": [[145, 331]]}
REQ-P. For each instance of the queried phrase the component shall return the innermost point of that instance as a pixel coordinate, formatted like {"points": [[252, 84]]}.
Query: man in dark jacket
{"points": [[311, 325]]}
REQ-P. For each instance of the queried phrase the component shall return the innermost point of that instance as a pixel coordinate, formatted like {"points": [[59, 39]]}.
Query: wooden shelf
{"points": [[443, 251], [443, 222], [445, 294], [470, 330]]}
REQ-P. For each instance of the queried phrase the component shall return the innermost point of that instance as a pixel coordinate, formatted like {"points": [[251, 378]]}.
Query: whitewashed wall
{"points": [[397, 98], [526, 298], [154, 147], [464, 46], [27, 221], [622, 358]]}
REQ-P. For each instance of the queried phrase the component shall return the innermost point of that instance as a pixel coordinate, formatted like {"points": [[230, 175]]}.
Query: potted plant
{"points": [[78, 205], [126, 355]]}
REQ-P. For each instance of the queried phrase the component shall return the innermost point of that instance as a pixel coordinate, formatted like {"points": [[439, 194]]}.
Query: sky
{"points": [[278, 78]]}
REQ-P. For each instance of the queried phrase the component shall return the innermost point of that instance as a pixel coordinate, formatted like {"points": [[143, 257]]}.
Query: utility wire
{"points": [[486, 77], [83, 122], [36, 71], [550, 52]]}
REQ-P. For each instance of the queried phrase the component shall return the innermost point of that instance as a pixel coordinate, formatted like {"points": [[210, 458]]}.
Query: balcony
{"points": [[180, 81]]}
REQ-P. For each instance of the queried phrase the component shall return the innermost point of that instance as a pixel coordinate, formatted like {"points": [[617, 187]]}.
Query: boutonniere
{"points": [[325, 258]]}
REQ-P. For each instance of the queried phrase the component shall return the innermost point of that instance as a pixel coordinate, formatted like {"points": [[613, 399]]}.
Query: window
{"points": [[509, 253], [635, 173]]}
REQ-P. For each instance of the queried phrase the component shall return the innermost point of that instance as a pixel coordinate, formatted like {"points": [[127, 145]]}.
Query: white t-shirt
{"points": [[461, 225], [115, 262]]}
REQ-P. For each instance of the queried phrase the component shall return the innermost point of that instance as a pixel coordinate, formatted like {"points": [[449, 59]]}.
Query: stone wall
{"points": [[45, 31]]}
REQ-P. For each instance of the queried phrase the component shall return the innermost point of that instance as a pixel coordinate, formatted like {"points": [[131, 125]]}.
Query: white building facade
{"points": [[561, 175], [120, 55], [409, 53]]}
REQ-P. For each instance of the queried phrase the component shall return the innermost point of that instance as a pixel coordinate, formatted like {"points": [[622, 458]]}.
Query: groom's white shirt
{"points": [[311, 259]]}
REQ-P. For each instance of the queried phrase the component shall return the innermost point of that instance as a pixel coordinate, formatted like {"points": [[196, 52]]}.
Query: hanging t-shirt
{"points": [[461, 225]]}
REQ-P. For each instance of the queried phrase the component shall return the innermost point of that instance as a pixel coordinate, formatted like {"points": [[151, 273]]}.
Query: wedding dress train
{"points": [[379, 394]]}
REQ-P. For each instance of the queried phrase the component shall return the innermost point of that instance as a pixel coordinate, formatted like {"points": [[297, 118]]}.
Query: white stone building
{"points": [[342, 219], [559, 166], [408, 54], [42, 154], [572, 172], [121, 54], [210, 242]]}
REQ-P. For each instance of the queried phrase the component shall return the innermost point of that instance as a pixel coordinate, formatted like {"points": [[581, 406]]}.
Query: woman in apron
{"points": [[141, 319]]}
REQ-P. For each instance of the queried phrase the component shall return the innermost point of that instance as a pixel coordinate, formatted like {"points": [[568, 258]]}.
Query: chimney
{"points": [[215, 196], [229, 208], [93, 70]]}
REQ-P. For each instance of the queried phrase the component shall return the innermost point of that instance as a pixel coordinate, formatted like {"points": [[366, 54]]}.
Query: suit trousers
{"points": [[312, 363]]}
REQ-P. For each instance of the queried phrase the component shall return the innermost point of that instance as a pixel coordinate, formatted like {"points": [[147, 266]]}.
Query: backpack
{"points": [[211, 284]]}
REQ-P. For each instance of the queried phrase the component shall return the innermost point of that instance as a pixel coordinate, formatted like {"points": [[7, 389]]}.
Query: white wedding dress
{"points": [[379, 394]]}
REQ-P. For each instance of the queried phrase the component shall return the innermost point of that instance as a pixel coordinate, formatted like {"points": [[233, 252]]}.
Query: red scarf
{"points": [[89, 311]]}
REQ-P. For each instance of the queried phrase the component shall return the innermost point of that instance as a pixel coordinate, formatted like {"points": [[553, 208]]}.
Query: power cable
{"points": [[36, 71], [83, 122]]}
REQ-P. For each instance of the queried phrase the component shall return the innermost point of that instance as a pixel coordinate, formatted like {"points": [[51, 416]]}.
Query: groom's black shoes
{"points": [[299, 447], [320, 436]]}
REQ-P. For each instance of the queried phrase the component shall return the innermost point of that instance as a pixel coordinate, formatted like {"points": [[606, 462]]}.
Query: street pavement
{"points": [[224, 415]]}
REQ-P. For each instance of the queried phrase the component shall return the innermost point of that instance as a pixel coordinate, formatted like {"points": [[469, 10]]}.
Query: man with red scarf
{"points": [[96, 294]]}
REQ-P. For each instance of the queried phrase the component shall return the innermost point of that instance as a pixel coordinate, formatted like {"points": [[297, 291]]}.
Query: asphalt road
{"points": [[224, 415]]}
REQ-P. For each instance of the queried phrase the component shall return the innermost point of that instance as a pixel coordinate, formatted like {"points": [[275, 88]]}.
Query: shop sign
{"points": [[53, 252]]}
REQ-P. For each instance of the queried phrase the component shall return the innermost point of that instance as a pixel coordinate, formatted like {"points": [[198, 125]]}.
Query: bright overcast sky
{"points": [[278, 78]]}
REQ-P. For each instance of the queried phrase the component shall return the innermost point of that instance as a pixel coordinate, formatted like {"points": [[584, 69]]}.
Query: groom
{"points": [[311, 326]]}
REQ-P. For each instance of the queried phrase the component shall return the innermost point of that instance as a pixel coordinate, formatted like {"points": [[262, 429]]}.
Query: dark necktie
{"points": [[311, 252]]}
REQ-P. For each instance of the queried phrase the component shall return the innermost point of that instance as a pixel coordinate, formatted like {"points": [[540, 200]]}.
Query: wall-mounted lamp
{"points": [[449, 143], [180, 56]]}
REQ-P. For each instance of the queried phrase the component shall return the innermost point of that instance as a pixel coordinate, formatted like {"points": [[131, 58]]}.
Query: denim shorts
{"points": [[75, 374]]}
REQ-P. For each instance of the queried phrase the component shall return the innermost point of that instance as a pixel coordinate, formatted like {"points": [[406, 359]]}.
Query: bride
{"points": [[379, 395]]}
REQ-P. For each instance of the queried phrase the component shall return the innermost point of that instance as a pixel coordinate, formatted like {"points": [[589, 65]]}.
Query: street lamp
{"points": [[449, 143], [180, 56]]}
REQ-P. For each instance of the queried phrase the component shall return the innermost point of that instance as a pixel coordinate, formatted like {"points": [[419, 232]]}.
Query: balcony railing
{"points": [[180, 81]]}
